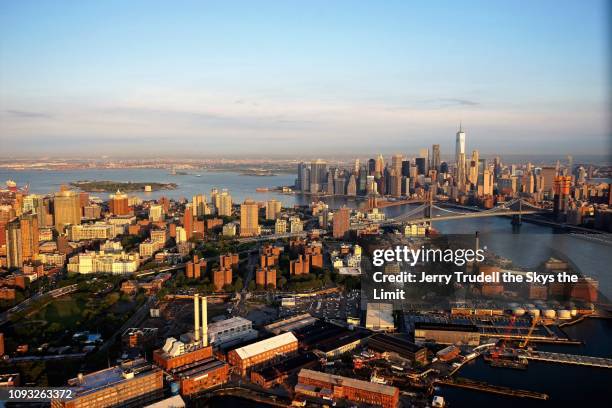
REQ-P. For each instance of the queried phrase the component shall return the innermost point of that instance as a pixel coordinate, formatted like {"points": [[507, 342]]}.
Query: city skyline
{"points": [[152, 78]]}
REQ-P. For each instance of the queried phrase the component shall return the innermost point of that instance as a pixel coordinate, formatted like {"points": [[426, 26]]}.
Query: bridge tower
{"points": [[517, 218], [429, 208]]}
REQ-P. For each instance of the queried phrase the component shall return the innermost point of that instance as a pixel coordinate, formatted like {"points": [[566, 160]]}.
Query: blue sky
{"points": [[109, 77]]}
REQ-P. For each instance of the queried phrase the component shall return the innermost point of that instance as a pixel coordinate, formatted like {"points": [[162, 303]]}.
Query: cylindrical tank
{"points": [[174, 388], [564, 314], [549, 313], [518, 311], [535, 312], [574, 312]]}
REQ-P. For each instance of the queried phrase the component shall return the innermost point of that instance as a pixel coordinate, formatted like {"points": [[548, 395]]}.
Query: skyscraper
{"points": [[341, 222], [435, 157], [199, 207], [22, 240], [66, 209], [188, 221], [273, 209], [249, 219], [318, 175], [224, 203], [460, 156], [118, 203]]}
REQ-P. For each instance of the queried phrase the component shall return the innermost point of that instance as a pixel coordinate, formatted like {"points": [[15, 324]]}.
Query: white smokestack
{"points": [[204, 321], [196, 315]]}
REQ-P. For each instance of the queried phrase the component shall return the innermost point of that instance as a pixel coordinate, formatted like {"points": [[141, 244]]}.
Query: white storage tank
{"points": [[549, 313], [518, 311], [564, 314], [535, 312], [574, 312]]}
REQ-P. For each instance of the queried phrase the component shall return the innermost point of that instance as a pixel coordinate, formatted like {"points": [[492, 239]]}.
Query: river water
{"points": [[526, 246]]}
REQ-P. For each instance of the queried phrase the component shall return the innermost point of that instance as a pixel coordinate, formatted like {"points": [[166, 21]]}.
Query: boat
{"points": [[518, 363]]}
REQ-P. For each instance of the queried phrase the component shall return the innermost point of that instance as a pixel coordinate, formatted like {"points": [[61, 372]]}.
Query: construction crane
{"points": [[534, 322]]}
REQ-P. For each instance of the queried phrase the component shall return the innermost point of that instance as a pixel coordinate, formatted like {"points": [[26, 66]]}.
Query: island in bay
{"points": [[127, 186]]}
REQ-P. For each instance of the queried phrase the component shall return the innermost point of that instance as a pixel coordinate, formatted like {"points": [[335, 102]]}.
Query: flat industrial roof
{"points": [[266, 345], [348, 382], [379, 315], [226, 324], [172, 402], [445, 326], [104, 378], [386, 342], [198, 368], [291, 323]]}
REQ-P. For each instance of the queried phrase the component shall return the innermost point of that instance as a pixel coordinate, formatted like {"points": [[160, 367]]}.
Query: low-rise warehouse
{"points": [[270, 376], [230, 331], [263, 352], [389, 344], [201, 375], [291, 323], [447, 333], [379, 317], [322, 385]]}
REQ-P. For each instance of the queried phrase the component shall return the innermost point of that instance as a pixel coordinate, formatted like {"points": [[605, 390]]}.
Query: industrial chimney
{"points": [[196, 316], [204, 321]]}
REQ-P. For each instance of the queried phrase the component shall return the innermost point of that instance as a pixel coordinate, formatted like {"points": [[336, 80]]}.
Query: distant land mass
{"points": [[108, 186]]}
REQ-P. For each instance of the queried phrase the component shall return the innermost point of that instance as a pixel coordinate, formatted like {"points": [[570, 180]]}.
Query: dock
{"points": [[490, 388], [569, 359]]}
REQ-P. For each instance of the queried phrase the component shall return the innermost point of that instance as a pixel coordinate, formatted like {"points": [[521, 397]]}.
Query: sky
{"points": [[137, 78]]}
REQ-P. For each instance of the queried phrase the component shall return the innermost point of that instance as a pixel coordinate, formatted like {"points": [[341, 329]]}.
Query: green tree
{"points": [[238, 285]]}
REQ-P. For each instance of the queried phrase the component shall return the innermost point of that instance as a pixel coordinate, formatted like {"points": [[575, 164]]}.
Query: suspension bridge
{"points": [[425, 213]]}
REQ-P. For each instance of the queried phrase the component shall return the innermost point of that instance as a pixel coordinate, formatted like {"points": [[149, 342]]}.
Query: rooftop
{"points": [[110, 376], [348, 382], [266, 345], [227, 324]]}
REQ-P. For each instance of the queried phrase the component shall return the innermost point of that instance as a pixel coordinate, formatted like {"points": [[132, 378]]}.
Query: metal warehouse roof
{"points": [[266, 345]]}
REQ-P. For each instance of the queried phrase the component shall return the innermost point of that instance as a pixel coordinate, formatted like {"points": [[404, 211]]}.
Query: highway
{"points": [[55, 293]]}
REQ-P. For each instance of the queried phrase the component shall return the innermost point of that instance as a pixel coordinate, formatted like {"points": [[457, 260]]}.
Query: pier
{"points": [[493, 389], [569, 359]]}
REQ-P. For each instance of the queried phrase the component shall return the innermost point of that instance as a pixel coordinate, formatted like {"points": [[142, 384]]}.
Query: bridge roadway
{"points": [[459, 216], [569, 359]]}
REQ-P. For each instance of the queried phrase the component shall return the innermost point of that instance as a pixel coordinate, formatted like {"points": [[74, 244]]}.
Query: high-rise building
{"points": [[371, 167], [460, 156], [318, 175], [473, 169], [421, 165], [223, 203], [548, 178], [156, 212], [273, 209], [351, 187], [249, 219], [199, 207], [396, 163], [341, 222], [188, 221], [29, 237], [435, 157], [118, 203], [380, 164], [66, 209]]}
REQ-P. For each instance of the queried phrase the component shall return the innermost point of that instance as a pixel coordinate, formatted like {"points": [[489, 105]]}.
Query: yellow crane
{"points": [[534, 322]]}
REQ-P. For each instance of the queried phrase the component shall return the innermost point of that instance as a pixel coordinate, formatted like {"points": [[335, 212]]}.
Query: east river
{"points": [[527, 246]]}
